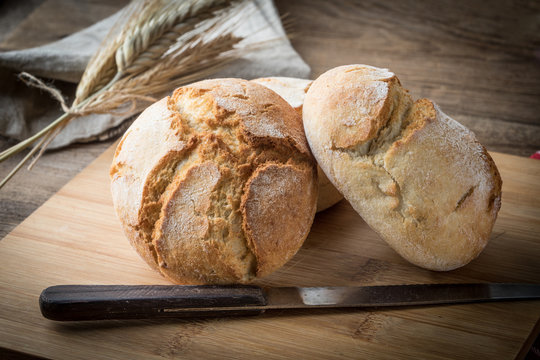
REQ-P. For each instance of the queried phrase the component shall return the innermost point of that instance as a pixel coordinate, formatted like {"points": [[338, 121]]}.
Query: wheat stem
{"points": [[21, 163], [63, 118], [46, 141], [46, 134], [25, 143]]}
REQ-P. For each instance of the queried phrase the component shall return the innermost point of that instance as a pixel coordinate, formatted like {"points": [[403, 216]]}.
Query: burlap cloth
{"points": [[24, 111]]}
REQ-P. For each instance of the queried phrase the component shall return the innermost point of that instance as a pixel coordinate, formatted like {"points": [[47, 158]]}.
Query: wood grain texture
{"points": [[30, 189], [75, 238], [52, 20], [12, 12], [479, 62]]}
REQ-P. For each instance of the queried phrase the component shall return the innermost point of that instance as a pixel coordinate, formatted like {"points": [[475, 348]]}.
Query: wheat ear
{"points": [[102, 66], [146, 43], [157, 47]]}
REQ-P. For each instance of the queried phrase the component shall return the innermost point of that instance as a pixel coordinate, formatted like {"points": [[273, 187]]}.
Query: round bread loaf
{"points": [[215, 184], [417, 177], [293, 90]]}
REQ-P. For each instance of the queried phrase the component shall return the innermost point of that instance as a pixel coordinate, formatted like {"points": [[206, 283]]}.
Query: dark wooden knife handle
{"points": [[99, 302]]}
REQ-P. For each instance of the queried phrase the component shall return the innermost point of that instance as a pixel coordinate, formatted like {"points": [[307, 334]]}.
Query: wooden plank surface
{"points": [[75, 238], [52, 20], [478, 61]]}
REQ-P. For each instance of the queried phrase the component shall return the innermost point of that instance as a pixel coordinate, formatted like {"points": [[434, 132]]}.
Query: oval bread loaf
{"points": [[417, 177], [293, 90], [216, 184]]}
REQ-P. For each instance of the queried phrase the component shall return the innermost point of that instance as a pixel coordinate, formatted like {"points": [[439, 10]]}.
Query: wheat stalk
{"points": [[148, 42], [102, 66], [158, 45]]}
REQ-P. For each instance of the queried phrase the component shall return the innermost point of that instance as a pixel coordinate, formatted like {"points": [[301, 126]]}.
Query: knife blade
{"points": [[100, 302]]}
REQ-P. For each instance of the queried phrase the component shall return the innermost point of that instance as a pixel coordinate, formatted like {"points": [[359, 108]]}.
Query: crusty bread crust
{"points": [[294, 90], [416, 176], [216, 184]]}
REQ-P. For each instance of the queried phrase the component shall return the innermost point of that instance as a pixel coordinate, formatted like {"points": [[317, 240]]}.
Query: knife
{"points": [[100, 302]]}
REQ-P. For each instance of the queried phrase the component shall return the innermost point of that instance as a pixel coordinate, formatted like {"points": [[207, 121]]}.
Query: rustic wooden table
{"points": [[479, 62]]}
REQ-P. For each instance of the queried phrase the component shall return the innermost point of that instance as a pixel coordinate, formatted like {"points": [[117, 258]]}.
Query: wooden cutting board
{"points": [[75, 238]]}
